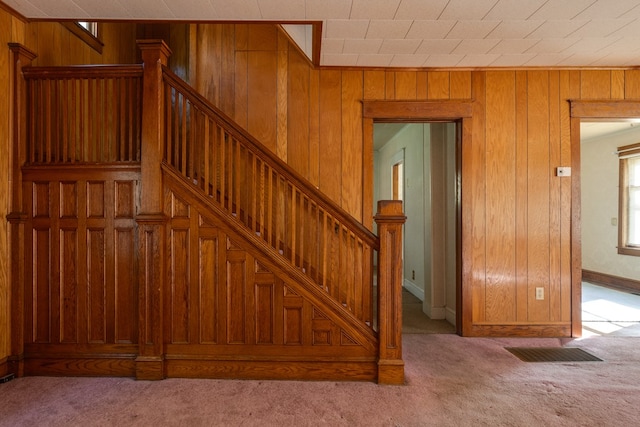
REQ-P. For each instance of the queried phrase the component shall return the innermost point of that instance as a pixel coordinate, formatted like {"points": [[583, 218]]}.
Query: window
{"points": [[91, 27], [629, 201], [87, 31]]}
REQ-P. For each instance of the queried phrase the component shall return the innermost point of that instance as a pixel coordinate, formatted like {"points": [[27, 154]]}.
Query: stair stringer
{"points": [[334, 344]]}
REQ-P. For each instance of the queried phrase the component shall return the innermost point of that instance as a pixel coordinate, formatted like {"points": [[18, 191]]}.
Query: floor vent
{"points": [[552, 354]]}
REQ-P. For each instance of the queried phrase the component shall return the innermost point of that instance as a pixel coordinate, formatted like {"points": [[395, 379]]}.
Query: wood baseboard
{"points": [[545, 330], [90, 366], [610, 281], [4, 366], [269, 370]]}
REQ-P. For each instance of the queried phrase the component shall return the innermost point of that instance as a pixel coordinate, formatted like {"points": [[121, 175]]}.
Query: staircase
{"points": [[207, 256]]}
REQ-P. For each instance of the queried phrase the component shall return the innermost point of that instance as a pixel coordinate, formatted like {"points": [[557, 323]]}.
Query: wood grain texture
{"points": [[521, 205], [352, 92], [540, 120], [5, 187], [539, 174], [500, 197], [298, 101]]}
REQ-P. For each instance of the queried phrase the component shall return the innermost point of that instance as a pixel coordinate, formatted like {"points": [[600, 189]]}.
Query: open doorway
{"points": [[417, 163], [610, 279]]}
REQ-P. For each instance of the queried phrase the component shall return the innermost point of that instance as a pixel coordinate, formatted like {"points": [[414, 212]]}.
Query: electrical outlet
{"points": [[539, 293], [413, 275]]}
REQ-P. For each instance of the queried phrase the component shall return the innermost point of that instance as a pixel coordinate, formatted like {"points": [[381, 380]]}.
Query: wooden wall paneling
{"points": [[421, 85], [390, 85], [617, 84], [632, 84], [555, 212], [241, 88], [282, 97], [500, 197], [521, 183], [208, 62], [538, 171], [352, 156], [18, 27], [179, 280], [179, 43], [208, 284], [228, 67], [474, 169], [262, 37], [367, 175], [241, 40], [96, 256], [566, 93], [262, 94], [330, 167], [374, 84], [298, 113], [6, 36], [69, 262], [595, 84], [460, 83], [438, 85], [126, 291], [236, 284], [406, 85], [314, 127]]}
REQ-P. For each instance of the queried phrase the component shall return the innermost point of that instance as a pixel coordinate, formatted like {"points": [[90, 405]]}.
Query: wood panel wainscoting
{"points": [[166, 241], [82, 314], [611, 281]]}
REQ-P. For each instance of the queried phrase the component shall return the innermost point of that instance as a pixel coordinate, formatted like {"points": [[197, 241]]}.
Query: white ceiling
{"points": [[411, 33]]}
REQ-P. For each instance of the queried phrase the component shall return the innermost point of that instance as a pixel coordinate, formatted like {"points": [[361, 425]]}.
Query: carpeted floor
{"points": [[451, 381], [414, 321]]}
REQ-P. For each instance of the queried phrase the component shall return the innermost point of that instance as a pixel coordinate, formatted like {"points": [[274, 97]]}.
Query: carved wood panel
{"points": [[84, 283], [224, 301]]}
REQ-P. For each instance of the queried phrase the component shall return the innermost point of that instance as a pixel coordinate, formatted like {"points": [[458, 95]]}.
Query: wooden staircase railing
{"points": [[268, 198], [145, 117], [84, 114]]}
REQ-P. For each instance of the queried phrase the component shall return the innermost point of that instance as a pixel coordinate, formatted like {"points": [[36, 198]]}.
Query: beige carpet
{"points": [[451, 381]]}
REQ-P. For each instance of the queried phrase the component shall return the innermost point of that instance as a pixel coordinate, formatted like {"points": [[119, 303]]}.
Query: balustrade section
{"points": [[83, 114], [267, 198]]}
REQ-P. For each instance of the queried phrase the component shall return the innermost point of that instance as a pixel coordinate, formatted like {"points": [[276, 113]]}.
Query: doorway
{"points": [[609, 278], [417, 163]]}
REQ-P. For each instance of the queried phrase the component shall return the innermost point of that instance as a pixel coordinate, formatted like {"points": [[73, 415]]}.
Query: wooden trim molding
{"points": [[411, 110], [610, 281]]}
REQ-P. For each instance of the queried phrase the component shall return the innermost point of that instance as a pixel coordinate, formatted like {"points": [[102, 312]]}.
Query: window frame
{"points": [[625, 153]]}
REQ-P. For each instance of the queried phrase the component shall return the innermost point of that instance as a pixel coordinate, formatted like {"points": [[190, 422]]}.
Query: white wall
{"points": [[599, 183], [411, 140]]}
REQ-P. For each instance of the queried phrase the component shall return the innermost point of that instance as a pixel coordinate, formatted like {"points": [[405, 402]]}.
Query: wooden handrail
{"points": [[268, 198], [83, 71], [279, 165]]}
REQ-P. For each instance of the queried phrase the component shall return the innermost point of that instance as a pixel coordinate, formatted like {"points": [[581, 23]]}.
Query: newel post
{"points": [[390, 219], [151, 219], [20, 57]]}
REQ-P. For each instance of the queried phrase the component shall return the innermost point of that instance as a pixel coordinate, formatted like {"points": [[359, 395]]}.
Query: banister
{"points": [[278, 164], [83, 71]]}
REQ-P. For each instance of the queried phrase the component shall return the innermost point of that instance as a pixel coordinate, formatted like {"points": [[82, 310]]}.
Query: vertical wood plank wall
{"points": [[519, 211], [55, 45]]}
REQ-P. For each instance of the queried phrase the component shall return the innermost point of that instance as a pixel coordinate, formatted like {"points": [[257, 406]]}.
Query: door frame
{"points": [[591, 110], [461, 113]]}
